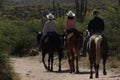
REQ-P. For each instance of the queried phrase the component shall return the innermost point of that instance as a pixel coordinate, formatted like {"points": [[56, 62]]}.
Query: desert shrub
{"points": [[6, 70], [60, 24], [18, 35], [112, 32]]}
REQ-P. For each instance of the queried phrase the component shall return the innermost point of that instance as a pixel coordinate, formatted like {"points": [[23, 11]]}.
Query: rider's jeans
{"points": [[84, 48]]}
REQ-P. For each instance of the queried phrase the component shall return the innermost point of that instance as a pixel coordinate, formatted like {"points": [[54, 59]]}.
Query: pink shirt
{"points": [[70, 23]]}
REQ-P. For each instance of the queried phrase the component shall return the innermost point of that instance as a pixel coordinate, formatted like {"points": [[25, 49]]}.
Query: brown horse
{"points": [[97, 50], [73, 44]]}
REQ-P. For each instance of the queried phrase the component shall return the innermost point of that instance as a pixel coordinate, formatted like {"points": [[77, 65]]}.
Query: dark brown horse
{"points": [[73, 44], [97, 50], [51, 44]]}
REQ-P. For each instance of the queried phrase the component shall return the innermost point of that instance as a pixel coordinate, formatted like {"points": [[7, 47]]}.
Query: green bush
{"points": [[18, 34], [112, 32], [6, 70]]}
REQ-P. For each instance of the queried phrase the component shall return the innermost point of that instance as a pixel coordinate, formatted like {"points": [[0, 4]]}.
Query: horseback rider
{"points": [[49, 27], [96, 25], [70, 23]]}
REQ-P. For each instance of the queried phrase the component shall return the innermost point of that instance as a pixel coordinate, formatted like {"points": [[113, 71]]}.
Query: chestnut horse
{"points": [[73, 43], [97, 50], [51, 44]]}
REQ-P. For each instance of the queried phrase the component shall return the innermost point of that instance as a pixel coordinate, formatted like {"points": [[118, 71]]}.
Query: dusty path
{"points": [[30, 68]]}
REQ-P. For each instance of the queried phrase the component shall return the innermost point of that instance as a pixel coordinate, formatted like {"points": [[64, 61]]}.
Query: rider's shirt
{"points": [[70, 23], [96, 25], [49, 26]]}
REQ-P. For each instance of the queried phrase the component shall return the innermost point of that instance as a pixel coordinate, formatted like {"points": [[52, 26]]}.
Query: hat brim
{"points": [[50, 17], [71, 15]]}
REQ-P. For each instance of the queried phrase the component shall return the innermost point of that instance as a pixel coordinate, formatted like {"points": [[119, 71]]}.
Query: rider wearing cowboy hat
{"points": [[70, 24], [70, 21], [49, 27]]}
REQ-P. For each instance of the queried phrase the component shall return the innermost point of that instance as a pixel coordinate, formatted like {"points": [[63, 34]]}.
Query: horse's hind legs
{"points": [[104, 69], [43, 57], [77, 68], [96, 67], [60, 52], [51, 63], [91, 72], [97, 71], [72, 64], [69, 61], [48, 63], [59, 64]]}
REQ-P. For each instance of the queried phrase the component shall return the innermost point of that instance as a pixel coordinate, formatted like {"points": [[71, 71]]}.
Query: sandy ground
{"points": [[31, 68]]}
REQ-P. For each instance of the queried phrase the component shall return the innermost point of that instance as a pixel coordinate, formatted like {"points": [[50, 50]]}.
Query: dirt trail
{"points": [[30, 68]]}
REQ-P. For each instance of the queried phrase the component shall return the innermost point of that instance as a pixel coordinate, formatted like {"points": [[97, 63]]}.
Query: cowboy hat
{"points": [[70, 13], [50, 16]]}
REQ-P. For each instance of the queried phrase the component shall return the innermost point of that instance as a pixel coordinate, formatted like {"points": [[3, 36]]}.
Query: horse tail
{"points": [[98, 41], [89, 44]]}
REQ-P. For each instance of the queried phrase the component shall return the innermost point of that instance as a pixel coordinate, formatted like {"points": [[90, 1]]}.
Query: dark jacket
{"points": [[96, 25]]}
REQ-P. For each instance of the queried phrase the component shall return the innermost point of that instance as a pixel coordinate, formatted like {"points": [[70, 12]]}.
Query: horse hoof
{"points": [[91, 77], [48, 69], [96, 77], [59, 70], [71, 71], [51, 70], [77, 71], [105, 73]]}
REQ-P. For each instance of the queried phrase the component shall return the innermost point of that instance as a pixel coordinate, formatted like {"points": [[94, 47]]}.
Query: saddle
{"points": [[71, 33]]}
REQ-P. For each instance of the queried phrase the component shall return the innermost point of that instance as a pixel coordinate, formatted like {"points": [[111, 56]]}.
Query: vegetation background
{"points": [[20, 20]]}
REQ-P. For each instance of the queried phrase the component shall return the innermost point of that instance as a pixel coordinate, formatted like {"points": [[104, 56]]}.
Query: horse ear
{"points": [[36, 32]]}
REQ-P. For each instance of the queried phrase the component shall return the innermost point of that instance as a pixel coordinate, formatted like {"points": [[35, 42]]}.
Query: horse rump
{"points": [[97, 50]]}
